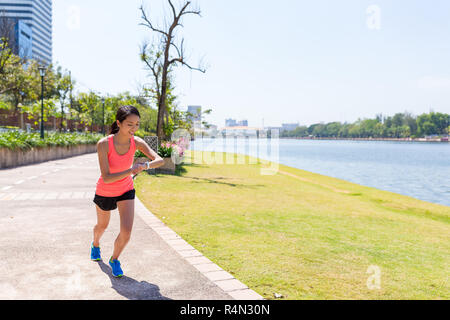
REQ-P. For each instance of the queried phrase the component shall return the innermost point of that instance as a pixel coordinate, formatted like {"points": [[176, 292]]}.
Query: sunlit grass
{"points": [[305, 235]]}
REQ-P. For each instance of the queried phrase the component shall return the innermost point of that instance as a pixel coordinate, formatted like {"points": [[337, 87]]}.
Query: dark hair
{"points": [[122, 114]]}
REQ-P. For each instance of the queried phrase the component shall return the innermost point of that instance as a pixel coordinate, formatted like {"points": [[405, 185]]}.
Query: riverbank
{"points": [[305, 235], [372, 139]]}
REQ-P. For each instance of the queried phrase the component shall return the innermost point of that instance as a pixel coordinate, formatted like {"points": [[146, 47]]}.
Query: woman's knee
{"points": [[100, 227], [125, 234]]}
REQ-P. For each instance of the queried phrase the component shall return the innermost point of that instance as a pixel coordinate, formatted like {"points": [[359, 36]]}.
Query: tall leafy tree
{"points": [[64, 85]]}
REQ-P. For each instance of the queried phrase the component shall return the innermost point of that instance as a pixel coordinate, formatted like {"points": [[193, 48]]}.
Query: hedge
{"points": [[14, 140]]}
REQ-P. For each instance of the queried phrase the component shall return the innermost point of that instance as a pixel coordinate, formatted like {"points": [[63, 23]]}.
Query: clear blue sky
{"points": [[284, 61]]}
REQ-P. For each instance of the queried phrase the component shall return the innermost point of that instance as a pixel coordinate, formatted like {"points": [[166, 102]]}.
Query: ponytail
{"points": [[114, 128]]}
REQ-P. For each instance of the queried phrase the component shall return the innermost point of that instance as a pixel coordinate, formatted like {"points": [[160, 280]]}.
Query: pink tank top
{"points": [[117, 163]]}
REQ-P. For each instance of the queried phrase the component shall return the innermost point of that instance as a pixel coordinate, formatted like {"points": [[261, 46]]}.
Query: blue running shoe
{"points": [[95, 253], [116, 269]]}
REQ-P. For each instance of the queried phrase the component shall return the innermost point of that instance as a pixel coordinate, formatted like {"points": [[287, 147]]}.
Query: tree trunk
{"points": [[162, 100], [22, 125], [16, 112], [62, 118]]}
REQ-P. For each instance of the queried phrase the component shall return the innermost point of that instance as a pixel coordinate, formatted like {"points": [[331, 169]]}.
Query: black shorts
{"points": [[110, 203]]}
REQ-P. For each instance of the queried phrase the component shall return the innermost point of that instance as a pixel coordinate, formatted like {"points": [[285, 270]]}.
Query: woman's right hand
{"points": [[138, 167]]}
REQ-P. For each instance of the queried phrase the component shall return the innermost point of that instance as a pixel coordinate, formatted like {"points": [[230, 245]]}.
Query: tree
{"points": [[7, 40], [20, 84], [398, 120], [64, 86], [379, 117], [166, 60], [90, 104], [319, 130], [17, 83], [152, 57], [172, 116], [300, 131], [424, 125], [410, 120], [332, 129], [441, 121], [367, 128], [401, 125], [34, 110], [354, 130]]}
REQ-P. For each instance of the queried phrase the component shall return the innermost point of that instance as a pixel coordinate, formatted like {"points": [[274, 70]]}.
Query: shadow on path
{"points": [[130, 288]]}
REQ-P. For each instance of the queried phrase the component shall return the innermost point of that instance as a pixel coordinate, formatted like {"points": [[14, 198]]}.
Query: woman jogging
{"points": [[115, 187]]}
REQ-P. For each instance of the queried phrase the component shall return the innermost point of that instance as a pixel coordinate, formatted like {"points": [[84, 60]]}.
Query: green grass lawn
{"points": [[305, 235]]}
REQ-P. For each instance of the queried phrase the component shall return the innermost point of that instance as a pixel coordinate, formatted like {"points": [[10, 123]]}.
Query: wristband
{"points": [[148, 165]]}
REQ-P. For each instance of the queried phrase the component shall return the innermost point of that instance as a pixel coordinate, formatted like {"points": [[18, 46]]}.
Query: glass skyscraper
{"points": [[37, 14]]}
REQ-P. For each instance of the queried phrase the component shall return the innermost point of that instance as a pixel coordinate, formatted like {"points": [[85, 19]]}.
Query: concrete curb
{"points": [[216, 274], [15, 158]]}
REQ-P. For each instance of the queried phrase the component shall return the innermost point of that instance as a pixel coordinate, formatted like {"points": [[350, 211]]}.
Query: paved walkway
{"points": [[46, 221]]}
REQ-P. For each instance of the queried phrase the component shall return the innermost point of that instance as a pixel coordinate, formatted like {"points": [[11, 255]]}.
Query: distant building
{"points": [[37, 15], [230, 123], [234, 123], [240, 130], [23, 38], [289, 126], [196, 118]]}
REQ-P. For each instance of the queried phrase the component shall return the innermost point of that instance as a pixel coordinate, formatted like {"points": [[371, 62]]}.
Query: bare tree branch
{"points": [[181, 50], [182, 10], [173, 10], [180, 60], [175, 46], [154, 66], [149, 24], [193, 12]]}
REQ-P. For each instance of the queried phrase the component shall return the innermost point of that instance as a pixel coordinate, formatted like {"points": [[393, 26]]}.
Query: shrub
{"points": [[14, 140]]}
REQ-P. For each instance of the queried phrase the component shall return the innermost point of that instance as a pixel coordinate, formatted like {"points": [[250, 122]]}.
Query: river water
{"points": [[417, 169]]}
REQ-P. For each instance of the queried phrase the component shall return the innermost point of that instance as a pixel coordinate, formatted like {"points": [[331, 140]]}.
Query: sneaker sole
{"points": [[120, 275]]}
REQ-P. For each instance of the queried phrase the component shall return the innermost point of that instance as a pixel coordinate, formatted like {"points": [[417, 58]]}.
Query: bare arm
{"points": [[102, 151], [142, 146]]}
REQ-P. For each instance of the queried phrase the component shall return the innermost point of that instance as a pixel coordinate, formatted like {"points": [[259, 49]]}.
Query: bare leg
{"points": [[126, 211], [102, 224]]}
